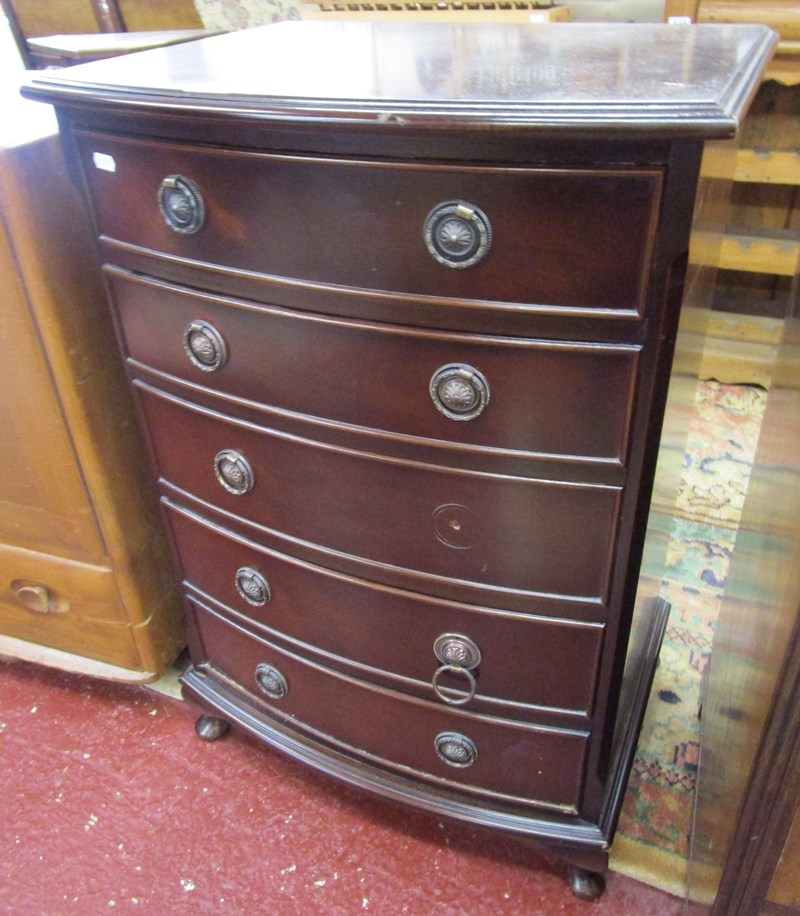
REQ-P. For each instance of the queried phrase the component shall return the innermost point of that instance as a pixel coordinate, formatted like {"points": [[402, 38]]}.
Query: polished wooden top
{"points": [[563, 79]]}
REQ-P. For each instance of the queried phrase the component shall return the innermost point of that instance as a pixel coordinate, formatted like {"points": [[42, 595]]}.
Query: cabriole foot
{"points": [[584, 884], [210, 728]]}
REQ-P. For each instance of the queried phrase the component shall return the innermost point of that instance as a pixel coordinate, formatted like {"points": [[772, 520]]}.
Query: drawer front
{"points": [[574, 239], [510, 533], [552, 399], [511, 761], [532, 661], [70, 606]]}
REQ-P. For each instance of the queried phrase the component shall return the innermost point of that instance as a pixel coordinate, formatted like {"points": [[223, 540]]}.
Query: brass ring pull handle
{"points": [[459, 391], [233, 472], [205, 346], [271, 682], [252, 586], [457, 234], [440, 691], [181, 204], [458, 655], [455, 749]]}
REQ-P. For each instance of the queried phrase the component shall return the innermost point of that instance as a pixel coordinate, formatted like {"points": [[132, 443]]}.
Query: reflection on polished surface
{"points": [[394, 71], [321, 154]]}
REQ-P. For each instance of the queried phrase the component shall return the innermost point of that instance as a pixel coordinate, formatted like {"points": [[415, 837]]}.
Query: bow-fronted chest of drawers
{"points": [[399, 305]]}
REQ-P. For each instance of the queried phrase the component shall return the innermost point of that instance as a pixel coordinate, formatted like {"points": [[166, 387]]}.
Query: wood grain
{"points": [[74, 486], [316, 192]]}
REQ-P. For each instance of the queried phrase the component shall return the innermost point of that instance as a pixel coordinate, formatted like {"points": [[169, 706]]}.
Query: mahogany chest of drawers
{"points": [[399, 306]]}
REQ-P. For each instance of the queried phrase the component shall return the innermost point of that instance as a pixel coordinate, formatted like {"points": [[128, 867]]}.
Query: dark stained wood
{"points": [[108, 15], [379, 522], [443, 313], [569, 80], [455, 590], [493, 532], [783, 889], [338, 615], [642, 543], [302, 218], [377, 375], [398, 731]]}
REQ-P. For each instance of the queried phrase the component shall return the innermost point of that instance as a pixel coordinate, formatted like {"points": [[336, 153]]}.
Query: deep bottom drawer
{"points": [[500, 760]]}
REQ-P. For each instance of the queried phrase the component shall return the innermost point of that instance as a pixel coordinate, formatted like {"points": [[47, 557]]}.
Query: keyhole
{"points": [[455, 526]]}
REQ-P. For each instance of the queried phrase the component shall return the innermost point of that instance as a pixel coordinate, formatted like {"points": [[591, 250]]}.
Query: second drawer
{"points": [[542, 398]]}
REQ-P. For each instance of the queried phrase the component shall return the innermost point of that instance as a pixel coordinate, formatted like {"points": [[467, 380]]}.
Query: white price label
{"points": [[104, 162]]}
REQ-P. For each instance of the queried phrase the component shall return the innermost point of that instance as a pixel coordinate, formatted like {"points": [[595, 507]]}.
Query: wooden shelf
{"points": [[755, 165]]}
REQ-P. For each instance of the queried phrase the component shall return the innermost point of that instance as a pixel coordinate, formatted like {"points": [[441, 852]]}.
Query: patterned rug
{"points": [[652, 842]]}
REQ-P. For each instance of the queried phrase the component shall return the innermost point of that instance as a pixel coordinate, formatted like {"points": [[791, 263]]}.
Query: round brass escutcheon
{"points": [[181, 204], [457, 234], [271, 681], [459, 391], [252, 586], [233, 472], [455, 650], [205, 346], [458, 655], [455, 749]]}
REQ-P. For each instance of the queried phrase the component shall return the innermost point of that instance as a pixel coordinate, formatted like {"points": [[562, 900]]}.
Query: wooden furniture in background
{"points": [[35, 19], [746, 855], [430, 11], [65, 50], [85, 580], [783, 16], [748, 825], [759, 254], [401, 324]]}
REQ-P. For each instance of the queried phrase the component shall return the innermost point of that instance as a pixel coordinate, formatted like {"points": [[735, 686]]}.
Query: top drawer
{"points": [[577, 239]]}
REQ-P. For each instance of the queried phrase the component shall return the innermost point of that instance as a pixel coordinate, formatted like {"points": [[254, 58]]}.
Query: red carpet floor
{"points": [[110, 804]]}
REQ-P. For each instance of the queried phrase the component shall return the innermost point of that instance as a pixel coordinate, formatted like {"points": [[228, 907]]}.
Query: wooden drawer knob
{"points": [[457, 234]]}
